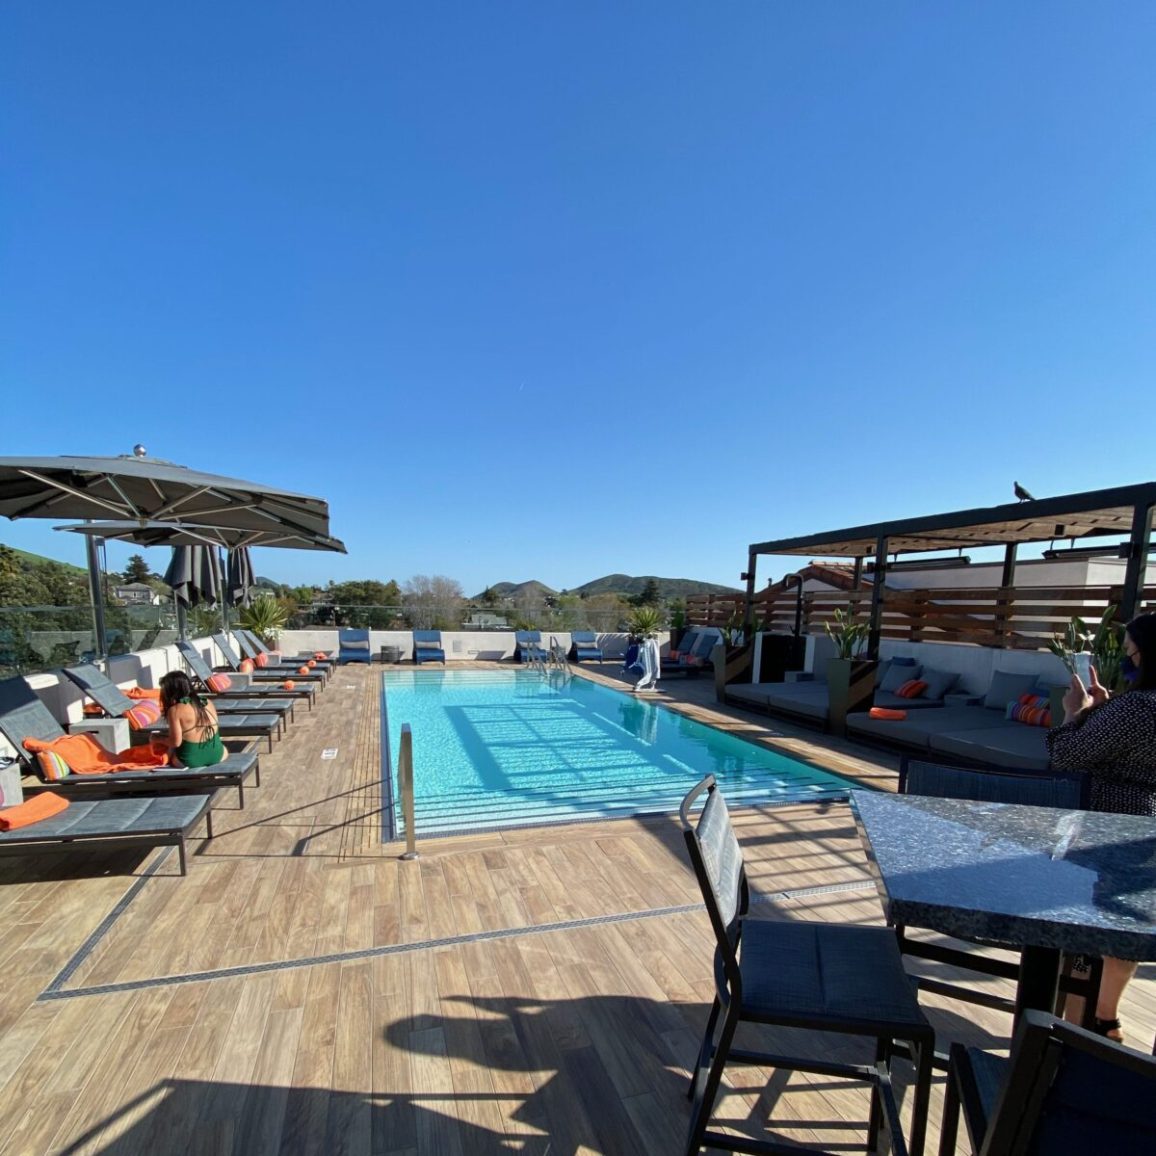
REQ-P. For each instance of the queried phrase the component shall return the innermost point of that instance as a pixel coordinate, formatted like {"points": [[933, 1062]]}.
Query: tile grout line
{"points": [[56, 992]]}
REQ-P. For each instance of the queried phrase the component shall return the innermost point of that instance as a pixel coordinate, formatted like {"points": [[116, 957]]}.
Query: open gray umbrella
{"points": [[240, 578], [188, 534], [147, 489]]}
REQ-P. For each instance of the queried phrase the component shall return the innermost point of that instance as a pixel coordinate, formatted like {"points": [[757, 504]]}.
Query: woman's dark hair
{"points": [[176, 686], [1142, 631]]}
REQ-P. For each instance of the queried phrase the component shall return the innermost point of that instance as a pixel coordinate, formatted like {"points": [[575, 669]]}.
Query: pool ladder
{"points": [[558, 658]]}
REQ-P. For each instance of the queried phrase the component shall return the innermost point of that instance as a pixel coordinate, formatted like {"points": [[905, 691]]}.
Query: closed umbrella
{"points": [[195, 577], [240, 579]]}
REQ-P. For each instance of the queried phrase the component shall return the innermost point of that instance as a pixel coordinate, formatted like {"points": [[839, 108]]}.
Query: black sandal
{"points": [[1109, 1029]]}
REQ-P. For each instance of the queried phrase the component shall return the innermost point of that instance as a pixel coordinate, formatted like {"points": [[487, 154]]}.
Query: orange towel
{"points": [[85, 756], [887, 713], [143, 692], [38, 808]]}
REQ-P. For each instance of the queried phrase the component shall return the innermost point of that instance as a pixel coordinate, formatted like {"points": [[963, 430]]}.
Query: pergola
{"points": [[1123, 512]]}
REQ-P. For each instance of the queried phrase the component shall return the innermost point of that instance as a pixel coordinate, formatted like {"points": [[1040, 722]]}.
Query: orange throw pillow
{"points": [[262, 661], [884, 712]]}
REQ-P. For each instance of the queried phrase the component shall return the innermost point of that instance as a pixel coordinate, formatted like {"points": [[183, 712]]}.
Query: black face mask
{"points": [[1128, 668]]}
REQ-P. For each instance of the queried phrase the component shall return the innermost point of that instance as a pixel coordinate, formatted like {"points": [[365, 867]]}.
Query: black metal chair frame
{"points": [[914, 1031], [1000, 968], [1008, 1125]]}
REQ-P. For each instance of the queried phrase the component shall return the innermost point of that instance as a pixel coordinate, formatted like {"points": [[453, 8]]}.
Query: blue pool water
{"points": [[499, 748]]}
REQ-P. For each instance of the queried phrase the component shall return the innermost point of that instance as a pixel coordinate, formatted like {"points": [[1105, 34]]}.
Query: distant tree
{"points": [[365, 592], [650, 596], [433, 603], [137, 569], [489, 597]]}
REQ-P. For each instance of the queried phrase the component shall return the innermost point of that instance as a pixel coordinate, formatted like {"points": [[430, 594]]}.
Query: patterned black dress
{"points": [[1115, 743]]}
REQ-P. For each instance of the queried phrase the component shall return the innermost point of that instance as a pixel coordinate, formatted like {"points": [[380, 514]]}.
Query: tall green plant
{"points": [[847, 634], [265, 617], [644, 621], [1104, 642]]}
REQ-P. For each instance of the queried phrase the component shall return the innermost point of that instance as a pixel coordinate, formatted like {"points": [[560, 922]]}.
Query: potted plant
{"points": [[677, 624], [850, 679], [1104, 642], [266, 618], [644, 621]]}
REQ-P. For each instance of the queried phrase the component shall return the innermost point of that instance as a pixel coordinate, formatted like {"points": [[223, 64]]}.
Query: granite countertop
{"points": [[1027, 876]]}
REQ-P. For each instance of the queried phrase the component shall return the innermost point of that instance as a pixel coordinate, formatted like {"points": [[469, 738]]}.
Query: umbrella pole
{"points": [[95, 587], [224, 597]]}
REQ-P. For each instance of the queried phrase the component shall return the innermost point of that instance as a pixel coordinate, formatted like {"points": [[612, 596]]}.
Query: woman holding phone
{"points": [[1113, 739]]}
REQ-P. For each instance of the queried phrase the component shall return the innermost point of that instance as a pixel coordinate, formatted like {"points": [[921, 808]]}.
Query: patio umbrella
{"points": [[147, 489], [188, 534], [240, 577]]}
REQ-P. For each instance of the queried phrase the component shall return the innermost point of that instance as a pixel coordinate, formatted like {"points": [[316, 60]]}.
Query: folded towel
{"points": [[85, 756], [886, 713], [143, 692], [35, 810]]}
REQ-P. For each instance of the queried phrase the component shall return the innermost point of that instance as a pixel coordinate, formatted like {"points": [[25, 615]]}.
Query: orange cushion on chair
{"points": [[246, 666], [262, 660], [219, 683], [311, 663], [912, 688], [288, 684], [303, 670]]}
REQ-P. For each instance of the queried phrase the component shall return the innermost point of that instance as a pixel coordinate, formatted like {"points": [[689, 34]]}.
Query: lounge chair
{"points": [[24, 716], [427, 646], [353, 645], [251, 646], [218, 682], [584, 646], [528, 645], [107, 824], [330, 658], [116, 704], [693, 654], [267, 669], [268, 680]]}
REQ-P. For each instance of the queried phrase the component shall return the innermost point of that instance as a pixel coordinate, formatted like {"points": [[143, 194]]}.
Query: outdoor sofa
{"points": [[584, 646], [528, 645], [427, 646], [353, 645]]}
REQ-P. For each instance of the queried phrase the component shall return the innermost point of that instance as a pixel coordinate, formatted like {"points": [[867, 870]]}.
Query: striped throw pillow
{"points": [[912, 688], [52, 767], [1032, 710], [144, 714], [218, 683], [261, 661]]}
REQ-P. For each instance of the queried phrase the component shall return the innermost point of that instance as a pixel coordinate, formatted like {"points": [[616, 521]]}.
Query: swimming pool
{"points": [[502, 748]]}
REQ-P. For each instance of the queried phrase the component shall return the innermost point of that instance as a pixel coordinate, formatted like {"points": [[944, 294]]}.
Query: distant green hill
{"points": [[668, 588], [624, 584], [39, 560]]}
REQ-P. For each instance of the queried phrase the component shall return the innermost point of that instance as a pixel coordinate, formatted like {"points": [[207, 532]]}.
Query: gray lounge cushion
{"points": [[939, 682], [916, 730], [897, 674], [1006, 686], [1011, 745], [87, 818]]}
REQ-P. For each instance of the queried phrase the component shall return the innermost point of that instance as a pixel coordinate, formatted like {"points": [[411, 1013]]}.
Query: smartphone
{"points": [[1082, 665]]}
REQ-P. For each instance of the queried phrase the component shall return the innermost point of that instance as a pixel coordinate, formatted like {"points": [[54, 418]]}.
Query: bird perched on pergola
{"points": [[1022, 494]]}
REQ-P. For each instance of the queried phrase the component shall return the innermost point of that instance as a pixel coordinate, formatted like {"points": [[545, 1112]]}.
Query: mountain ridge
{"points": [[624, 584]]}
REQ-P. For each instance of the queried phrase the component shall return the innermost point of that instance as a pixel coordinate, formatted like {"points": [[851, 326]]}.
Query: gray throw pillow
{"points": [[1007, 686], [897, 674], [939, 682]]}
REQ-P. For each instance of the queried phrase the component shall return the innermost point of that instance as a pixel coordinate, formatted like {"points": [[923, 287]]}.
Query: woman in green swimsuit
{"points": [[194, 732]]}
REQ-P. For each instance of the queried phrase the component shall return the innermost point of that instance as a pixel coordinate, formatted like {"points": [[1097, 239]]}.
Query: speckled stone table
{"points": [[1044, 880]]}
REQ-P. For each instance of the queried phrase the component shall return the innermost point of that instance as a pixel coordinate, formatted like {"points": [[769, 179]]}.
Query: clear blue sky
{"points": [[544, 290]]}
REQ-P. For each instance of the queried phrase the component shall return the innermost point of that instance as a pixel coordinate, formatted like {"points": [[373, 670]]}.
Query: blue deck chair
{"points": [[584, 646], [24, 716], [427, 646], [353, 645], [528, 644]]}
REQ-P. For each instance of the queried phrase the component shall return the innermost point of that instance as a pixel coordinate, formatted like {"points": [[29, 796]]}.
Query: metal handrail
{"points": [[405, 785], [534, 659], [558, 656]]}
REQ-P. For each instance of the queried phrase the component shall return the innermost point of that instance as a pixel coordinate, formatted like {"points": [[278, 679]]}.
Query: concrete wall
{"points": [[459, 645]]}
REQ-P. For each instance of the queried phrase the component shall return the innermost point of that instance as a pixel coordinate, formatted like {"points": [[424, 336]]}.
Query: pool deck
{"points": [[302, 990]]}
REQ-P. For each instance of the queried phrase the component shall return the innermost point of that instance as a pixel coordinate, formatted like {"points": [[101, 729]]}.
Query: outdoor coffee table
{"points": [[1044, 880]]}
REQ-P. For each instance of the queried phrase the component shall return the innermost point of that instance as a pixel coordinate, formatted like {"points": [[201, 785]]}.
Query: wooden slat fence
{"points": [[1019, 618]]}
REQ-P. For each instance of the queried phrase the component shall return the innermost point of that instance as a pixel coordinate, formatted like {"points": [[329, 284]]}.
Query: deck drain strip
{"points": [[55, 992], [105, 925]]}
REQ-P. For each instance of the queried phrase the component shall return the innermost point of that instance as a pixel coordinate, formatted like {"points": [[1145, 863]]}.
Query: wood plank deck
{"points": [[540, 990]]}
